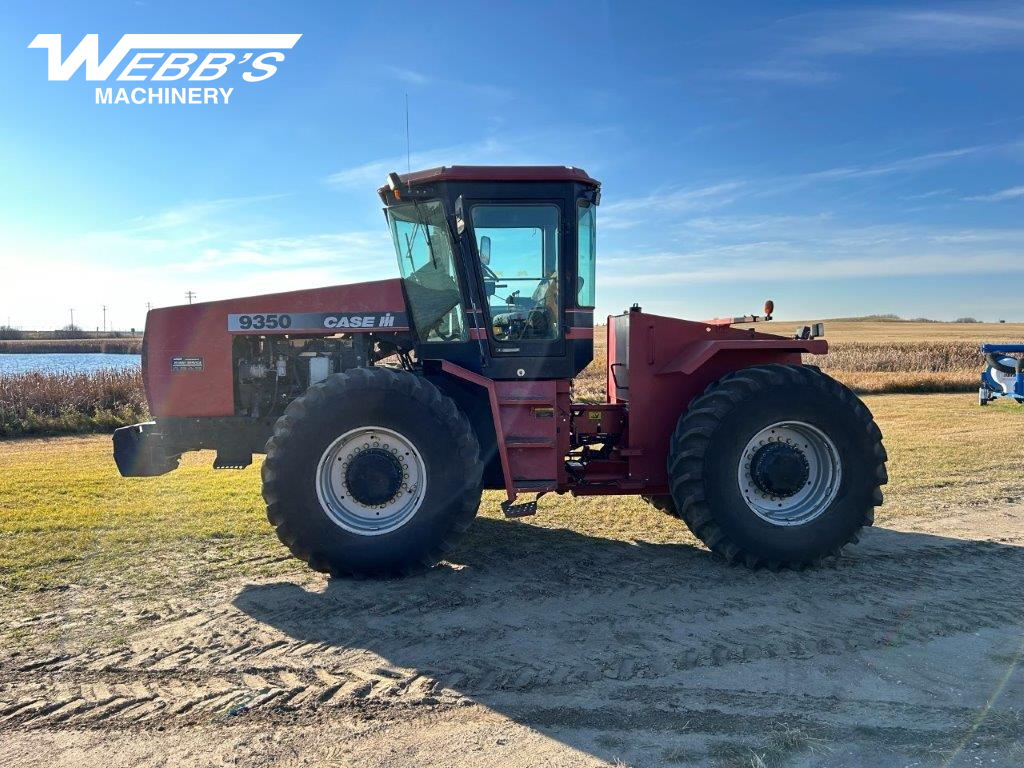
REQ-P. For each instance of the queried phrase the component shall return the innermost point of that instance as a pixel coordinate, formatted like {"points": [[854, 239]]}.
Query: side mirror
{"points": [[485, 250]]}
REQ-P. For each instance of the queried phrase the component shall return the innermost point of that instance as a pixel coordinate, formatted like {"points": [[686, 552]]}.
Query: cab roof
{"points": [[498, 173]]}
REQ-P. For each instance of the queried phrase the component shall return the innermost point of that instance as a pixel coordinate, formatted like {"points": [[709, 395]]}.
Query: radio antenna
{"points": [[408, 145]]}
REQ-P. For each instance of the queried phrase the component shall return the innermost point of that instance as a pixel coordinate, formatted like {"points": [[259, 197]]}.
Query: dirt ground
{"points": [[574, 651]]}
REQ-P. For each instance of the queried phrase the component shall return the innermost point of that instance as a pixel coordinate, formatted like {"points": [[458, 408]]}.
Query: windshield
{"points": [[518, 248], [424, 249]]}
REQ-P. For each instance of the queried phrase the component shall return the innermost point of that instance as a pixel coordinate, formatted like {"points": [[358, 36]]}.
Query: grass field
{"points": [[66, 516]]}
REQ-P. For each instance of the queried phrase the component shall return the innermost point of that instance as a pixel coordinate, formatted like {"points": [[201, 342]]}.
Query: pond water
{"points": [[52, 363]]}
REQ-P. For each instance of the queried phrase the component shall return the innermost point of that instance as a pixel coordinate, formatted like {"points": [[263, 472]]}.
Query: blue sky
{"points": [[841, 158]]}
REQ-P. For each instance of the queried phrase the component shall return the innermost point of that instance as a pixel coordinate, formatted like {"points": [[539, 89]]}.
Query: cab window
{"points": [[427, 262], [518, 250]]}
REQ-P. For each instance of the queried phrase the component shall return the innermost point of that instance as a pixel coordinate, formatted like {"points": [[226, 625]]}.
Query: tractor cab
{"points": [[497, 265]]}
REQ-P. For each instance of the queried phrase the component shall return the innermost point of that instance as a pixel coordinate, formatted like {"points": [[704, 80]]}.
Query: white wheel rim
{"points": [[349, 513], [823, 467]]}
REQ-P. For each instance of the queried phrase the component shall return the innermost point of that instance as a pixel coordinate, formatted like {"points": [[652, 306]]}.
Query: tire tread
{"points": [[690, 443], [288, 431]]}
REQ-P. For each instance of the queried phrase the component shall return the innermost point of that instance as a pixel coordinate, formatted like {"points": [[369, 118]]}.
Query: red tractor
{"points": [[385, 408]]}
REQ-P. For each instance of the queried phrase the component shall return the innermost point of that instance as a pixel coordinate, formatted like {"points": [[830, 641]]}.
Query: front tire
{"points": [[372, 472], [777, 466]]}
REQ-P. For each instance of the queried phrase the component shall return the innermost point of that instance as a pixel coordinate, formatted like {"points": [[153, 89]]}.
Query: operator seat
{"points": [[536, 322]]}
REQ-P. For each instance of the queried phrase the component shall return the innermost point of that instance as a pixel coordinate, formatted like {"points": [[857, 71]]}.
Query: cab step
{"points": [[232, 460]]}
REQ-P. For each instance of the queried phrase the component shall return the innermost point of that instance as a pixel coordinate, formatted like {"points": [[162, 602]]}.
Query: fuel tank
{"points": [[187, 350]]}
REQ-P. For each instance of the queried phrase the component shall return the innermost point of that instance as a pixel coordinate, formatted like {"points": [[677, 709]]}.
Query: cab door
{"points": [[519, 253]]}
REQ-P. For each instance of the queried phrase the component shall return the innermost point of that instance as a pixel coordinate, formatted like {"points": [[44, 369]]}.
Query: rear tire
{"points": [[372, 472], [777, 466]]}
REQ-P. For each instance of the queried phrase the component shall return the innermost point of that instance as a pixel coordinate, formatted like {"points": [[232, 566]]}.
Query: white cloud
{"points": [[632, 211], [800, 45], [409, 76], [487, 152], [374, 172], [902, 165], [191, 213], [746, 250], [420, 79], [212, 247], [793, 74], [941, 28], [1012, 193], [800, 269]]}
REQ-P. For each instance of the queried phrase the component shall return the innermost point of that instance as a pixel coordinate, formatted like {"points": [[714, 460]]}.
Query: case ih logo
{"points": [[168, 58], [306, 322]]}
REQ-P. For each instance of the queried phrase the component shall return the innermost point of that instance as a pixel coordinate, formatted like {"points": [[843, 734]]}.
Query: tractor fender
{"points": [[487, 385], [697, 354]]}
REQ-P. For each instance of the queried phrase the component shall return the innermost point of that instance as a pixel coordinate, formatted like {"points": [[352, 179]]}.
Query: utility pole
{"points": [[104, 318], [72, 318], [190, 295], [149, 306]]}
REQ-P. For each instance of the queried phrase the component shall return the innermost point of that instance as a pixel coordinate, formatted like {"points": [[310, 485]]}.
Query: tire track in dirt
{"points": [[429, 643]]}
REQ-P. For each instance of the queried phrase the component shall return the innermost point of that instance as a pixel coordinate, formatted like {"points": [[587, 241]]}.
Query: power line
{"points": [[190, 295]]}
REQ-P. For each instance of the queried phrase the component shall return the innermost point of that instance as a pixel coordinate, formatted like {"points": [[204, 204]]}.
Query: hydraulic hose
{"points": [[1002, 367]]}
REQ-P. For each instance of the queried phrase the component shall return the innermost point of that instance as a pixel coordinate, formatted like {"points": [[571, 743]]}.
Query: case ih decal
{"points": [[315, 322]]}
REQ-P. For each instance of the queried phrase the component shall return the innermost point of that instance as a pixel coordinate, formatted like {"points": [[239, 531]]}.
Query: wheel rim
{"points": [[371, 481], [789, 473]]}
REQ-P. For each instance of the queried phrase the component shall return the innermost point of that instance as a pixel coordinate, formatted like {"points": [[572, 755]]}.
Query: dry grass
{"points": [[59, 403], [112, 346]]}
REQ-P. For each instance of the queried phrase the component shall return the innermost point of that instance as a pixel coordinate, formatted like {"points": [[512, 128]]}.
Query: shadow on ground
{"points": [[660, 654]]}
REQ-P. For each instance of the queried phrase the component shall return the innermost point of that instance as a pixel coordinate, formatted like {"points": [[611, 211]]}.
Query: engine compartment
{"points": [[271, 371]]}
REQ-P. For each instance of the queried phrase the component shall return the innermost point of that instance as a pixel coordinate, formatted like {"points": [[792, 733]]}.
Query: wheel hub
{"points": [[789, 473], [779, 469], [371, 481], [373, 476]]}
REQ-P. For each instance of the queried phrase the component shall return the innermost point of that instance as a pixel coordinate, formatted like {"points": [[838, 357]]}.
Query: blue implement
{"points": [[1004, 376]]}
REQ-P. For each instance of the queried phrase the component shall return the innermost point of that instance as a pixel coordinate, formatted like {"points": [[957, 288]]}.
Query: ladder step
{"points": [[521, 441], [533, 486]]}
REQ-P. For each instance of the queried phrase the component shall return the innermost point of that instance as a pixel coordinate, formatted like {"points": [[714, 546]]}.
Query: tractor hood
{"points": [[187, 350]]}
